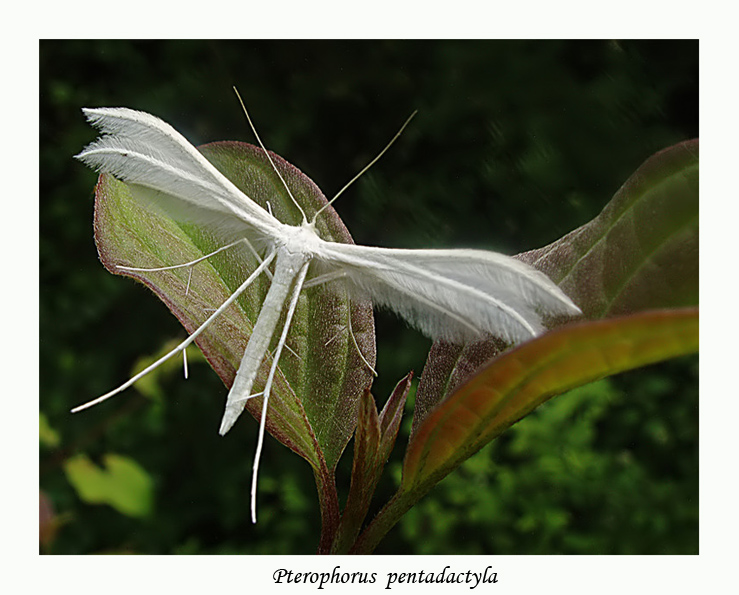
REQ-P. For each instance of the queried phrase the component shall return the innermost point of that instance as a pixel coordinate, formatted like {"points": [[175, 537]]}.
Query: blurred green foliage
{"points": [[558, 484], [121, 483], [515, 144]]}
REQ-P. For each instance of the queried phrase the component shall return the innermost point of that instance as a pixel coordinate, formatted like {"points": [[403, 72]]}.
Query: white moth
{"points": [[457, 295]]}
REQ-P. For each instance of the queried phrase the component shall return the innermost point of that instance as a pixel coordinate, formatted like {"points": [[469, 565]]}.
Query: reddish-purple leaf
{"points": [[640, 253], [373, 442]]}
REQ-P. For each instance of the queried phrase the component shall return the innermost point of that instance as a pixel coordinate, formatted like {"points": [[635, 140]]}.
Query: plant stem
{"points": [[383, 522], [328, 500]]}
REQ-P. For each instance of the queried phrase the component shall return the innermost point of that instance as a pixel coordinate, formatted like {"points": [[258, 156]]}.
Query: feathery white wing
{"points": [[455, 295], [141, 149]]}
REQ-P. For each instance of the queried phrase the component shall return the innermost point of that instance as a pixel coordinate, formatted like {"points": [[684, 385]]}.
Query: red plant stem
{"points": [[328, 500]]}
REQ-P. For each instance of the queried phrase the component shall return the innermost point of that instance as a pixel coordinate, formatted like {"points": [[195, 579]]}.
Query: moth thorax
{"points": [[301, 239]]}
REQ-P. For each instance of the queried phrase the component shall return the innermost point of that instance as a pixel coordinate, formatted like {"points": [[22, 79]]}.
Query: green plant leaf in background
{"points": [[48, 436], [120, 483], [315, 395]]}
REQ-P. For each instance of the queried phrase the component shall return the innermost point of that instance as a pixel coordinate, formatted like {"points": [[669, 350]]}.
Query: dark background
{"points": [[515, 144]]}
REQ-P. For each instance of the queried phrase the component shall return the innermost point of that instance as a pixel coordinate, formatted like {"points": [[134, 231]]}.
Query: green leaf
{"points": [[121, 483], [313, 405]]}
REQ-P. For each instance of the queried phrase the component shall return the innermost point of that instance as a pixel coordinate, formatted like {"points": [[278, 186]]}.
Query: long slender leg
{"points": [[268, 386], [197, 260], [354, 341], [359, 351], [291, 350], [327, 278], [189, 279], [187, 264], [245, 399], [187, 341]]}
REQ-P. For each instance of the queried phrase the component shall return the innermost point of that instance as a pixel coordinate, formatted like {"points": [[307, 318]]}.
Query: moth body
{"points": [[456, 295]]}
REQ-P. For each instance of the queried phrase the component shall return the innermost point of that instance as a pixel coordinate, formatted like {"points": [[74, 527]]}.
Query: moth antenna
{"points": [[254, 130], [366, 167]]}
